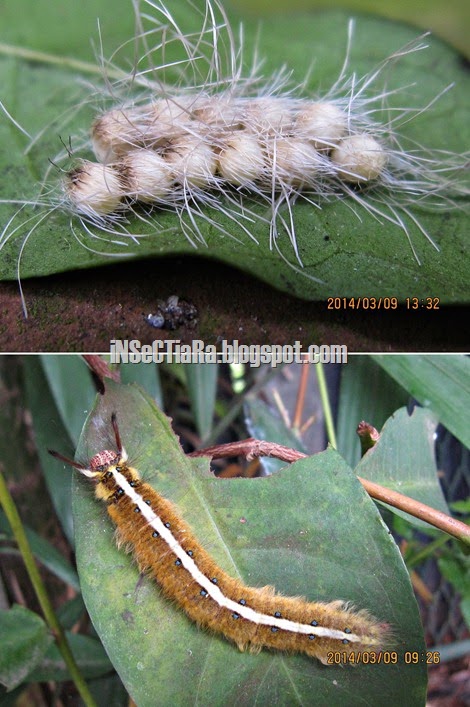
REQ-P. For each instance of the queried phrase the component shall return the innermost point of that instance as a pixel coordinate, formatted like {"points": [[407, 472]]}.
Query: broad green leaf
{"points": [[367, 393], [449, 20], [45, 553], [71, 385], [109, 690], [309, 530], [148, 377], [54, 429], [349, 254], [89, 655], [25, 639], [441, 383], [465, 609], [71, 611], [404, 460], [201, 379], [456, 569]]}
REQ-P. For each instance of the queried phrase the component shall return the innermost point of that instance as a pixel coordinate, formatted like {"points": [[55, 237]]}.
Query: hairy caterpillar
{"points": [[225, 142], [164, 546]]}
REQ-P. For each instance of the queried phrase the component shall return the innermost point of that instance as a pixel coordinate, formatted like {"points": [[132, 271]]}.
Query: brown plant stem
{"points": [[301, 392], [100, 369], [251, 448]]}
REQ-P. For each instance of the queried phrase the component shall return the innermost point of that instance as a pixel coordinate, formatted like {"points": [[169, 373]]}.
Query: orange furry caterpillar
{"points": [[253, 618]]}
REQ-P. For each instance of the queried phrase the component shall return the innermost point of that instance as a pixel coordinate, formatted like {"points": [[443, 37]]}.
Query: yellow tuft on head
{"points": [[108, 483], [104, 490]]}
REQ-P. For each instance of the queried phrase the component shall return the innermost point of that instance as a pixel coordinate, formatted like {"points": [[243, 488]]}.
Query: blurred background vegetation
{"points": [[448, 19]]}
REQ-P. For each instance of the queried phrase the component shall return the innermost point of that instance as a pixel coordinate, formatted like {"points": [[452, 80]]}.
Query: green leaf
{"points": [[71, 611], [456, 570], [148, 377], [462, 507], [25, 639], [350, 255], [201, 379], [449, 21], [309, 530], [403, 460], [441, 383], [45, 553], [71, 385], [367, 393], [109, 690], [465, 609], [55, 414], [89, 656]]}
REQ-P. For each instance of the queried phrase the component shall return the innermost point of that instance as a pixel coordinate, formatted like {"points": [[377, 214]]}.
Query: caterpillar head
{"points": [[101, 461]]}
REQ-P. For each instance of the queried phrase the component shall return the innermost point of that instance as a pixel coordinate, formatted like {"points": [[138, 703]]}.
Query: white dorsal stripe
{"points": [[212, 589]]}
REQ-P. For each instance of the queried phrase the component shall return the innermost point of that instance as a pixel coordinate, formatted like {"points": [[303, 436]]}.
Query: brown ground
{"points": [[82, 311], [449, 684]]}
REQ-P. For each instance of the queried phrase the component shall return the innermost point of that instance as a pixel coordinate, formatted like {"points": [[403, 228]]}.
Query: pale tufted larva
{"points": [[246, 145]]}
